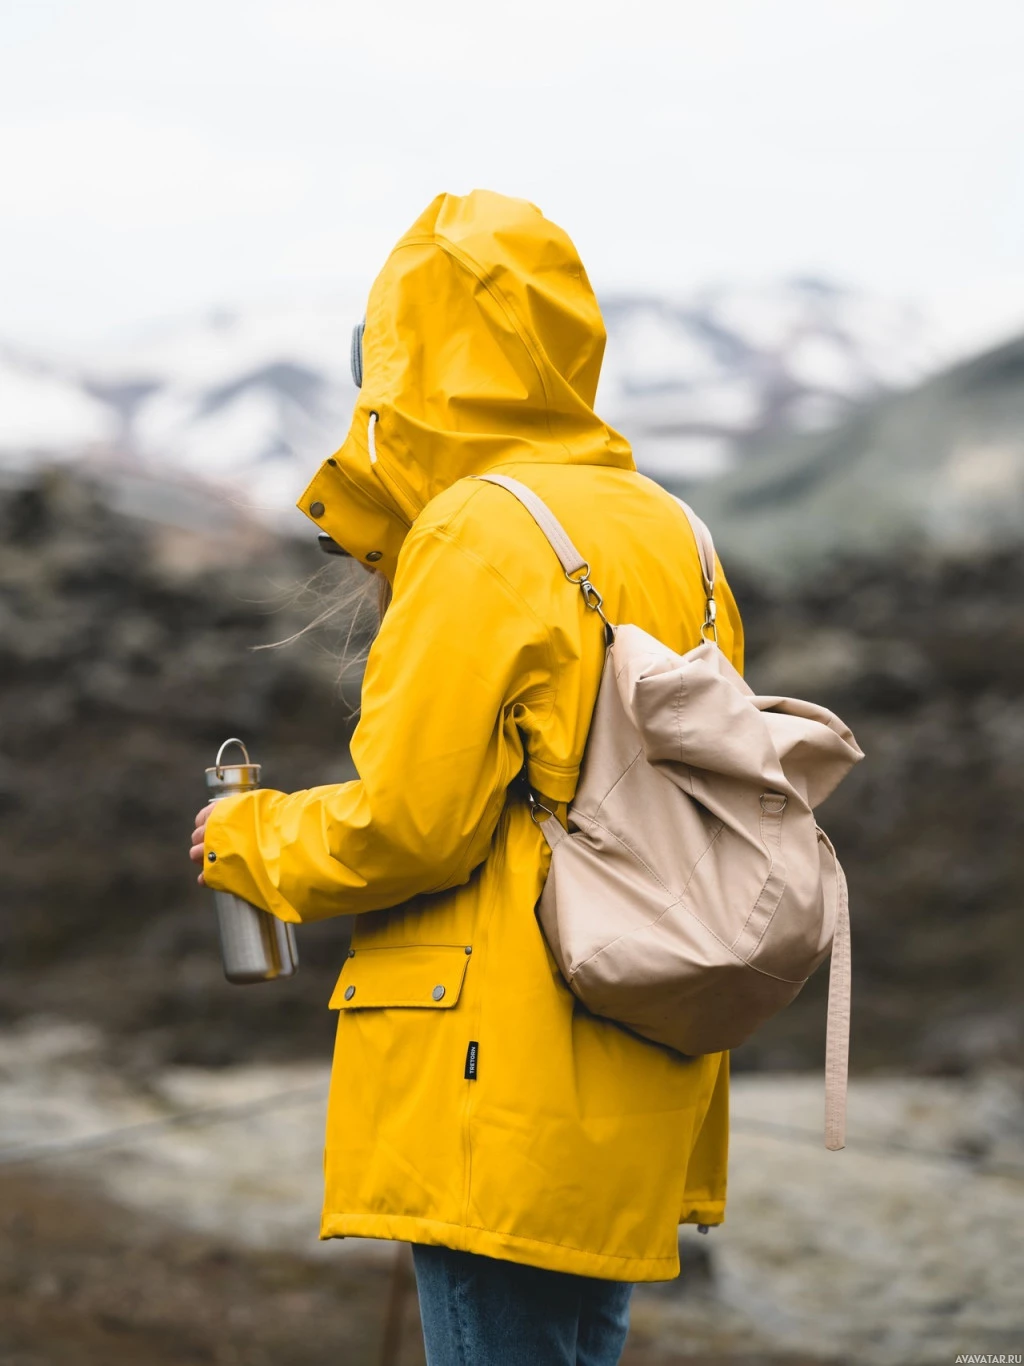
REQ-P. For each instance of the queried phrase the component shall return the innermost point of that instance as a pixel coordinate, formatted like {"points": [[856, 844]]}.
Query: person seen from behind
{"points": [[538, 1158]]}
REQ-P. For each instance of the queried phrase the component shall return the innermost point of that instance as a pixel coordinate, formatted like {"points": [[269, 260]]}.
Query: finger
{"points": [[199, 834], [196, 853], [201, 880], [202, 816]]}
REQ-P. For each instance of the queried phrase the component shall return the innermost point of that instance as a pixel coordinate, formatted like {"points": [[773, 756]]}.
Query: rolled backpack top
{"points": [[694, 893]]}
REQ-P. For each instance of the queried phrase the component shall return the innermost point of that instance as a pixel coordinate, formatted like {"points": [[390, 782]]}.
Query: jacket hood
{"points": [[482, 346]]}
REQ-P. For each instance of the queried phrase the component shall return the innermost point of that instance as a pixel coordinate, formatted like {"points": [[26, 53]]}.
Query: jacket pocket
{"points": [[428, 976]]}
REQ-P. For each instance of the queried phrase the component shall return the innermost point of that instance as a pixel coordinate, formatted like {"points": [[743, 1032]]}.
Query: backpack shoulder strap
{"points": [[576, 568], [569, 557], [706, 556], [705, 547]]}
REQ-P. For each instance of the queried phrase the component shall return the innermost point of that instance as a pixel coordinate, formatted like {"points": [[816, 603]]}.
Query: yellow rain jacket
{"points": [[474, 1102]]}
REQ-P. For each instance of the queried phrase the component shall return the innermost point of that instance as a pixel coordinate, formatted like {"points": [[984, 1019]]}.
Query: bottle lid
{"points": [[232, 776]]}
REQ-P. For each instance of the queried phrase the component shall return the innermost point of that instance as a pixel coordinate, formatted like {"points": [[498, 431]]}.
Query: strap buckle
{"points": [[536, 806], [710, 612], [591, 597]]}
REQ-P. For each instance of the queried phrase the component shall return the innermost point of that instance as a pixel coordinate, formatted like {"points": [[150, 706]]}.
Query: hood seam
{"points": [[483, 276]]}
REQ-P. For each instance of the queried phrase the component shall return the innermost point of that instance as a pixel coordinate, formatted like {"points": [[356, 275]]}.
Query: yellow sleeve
{"points": [[460, 657]]}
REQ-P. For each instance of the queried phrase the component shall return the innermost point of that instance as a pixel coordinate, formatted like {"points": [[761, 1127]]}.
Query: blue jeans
{"points": [[481, 1311]]}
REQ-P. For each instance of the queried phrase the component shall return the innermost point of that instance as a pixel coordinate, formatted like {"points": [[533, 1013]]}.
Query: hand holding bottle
{"points": [[255, 945], [198, 837]]}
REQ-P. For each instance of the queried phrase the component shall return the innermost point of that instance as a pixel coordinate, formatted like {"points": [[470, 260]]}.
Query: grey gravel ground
{"points": [[901, 1250]]}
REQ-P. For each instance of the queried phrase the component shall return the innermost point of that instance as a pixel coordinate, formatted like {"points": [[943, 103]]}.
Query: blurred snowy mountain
{"points": [[697, 384], [253, 400]]}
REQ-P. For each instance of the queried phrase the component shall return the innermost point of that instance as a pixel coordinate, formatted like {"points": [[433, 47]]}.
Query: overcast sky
{"points": [[156, 158]]}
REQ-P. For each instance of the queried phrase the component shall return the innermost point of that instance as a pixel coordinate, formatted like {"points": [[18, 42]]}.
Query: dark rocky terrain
{"points": [[125, 659], [83, 1282]]}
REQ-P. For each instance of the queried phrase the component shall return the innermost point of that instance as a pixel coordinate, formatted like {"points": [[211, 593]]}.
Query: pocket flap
{"points": [[427, 975]]}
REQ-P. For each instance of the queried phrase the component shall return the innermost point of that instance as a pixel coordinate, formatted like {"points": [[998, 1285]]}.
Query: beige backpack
{"points": [[694, 894]]}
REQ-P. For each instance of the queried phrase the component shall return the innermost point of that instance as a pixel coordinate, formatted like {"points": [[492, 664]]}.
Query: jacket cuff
{"points": [[232, 860]]}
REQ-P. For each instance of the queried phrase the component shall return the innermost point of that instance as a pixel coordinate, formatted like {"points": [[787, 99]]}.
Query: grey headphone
{"points": [[357, 354]]}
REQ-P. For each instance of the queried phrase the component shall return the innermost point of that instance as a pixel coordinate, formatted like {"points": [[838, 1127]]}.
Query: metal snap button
{"points": [[374, 555], [349, 993], [316, 509], [437, 993], [211, 857]]}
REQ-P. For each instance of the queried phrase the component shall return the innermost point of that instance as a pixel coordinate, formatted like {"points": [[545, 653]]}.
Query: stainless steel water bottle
{"points": [[255, 945]]}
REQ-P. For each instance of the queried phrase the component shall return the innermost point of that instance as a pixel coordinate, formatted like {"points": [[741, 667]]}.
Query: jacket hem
{"points": [[504, 1246], [710, 1212]]}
